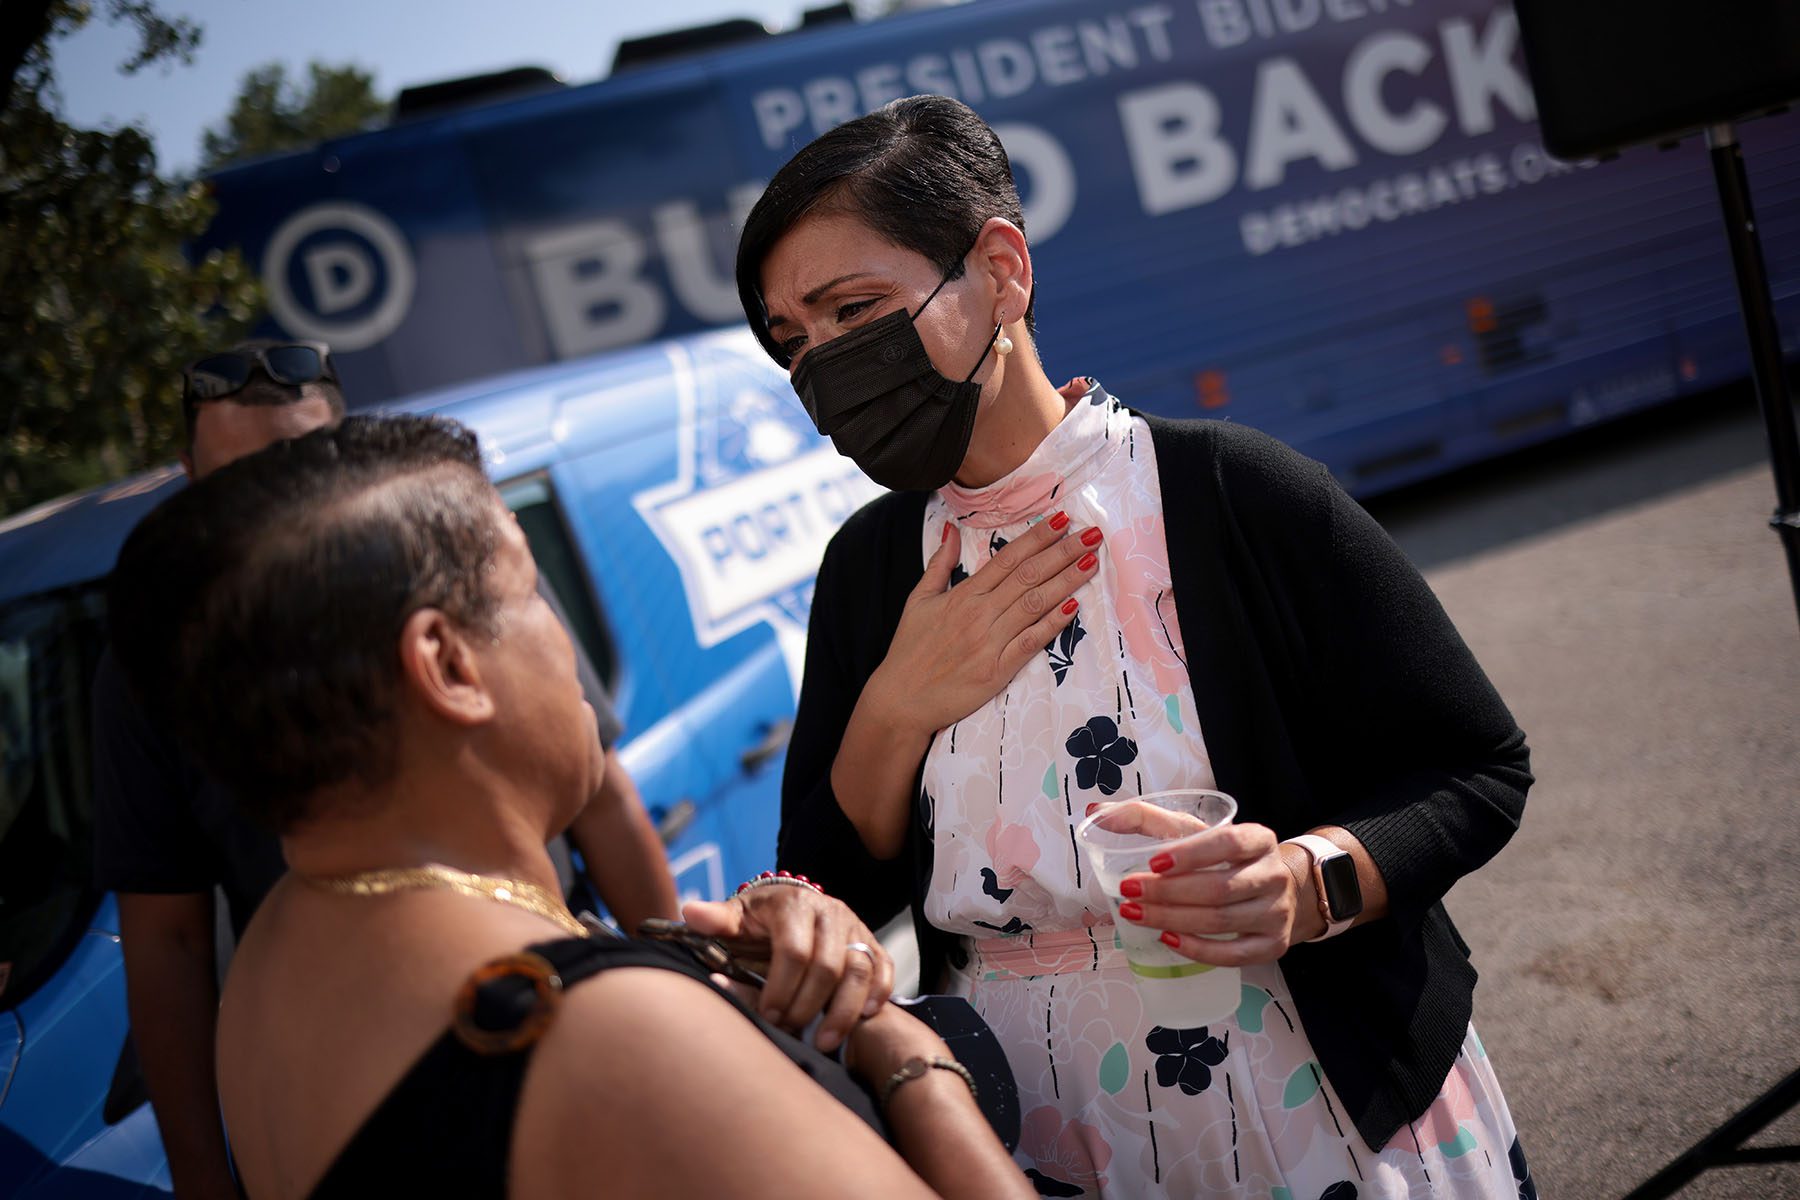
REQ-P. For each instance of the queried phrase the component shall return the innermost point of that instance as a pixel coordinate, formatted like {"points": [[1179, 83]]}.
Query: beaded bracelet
{"points": [[916, 1068], [785, 878]]}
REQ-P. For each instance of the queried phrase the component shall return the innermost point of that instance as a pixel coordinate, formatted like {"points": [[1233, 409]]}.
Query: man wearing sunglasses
{"points": [[166, 836], [256, 393]]}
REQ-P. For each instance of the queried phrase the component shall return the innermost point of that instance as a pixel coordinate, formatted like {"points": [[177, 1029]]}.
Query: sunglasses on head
{"points": [[291, 363]]}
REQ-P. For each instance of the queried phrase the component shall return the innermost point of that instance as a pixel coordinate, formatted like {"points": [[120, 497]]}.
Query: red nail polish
{"points": [[1070, 605], [1171, 940], [1059, 521], [946, 535], [1162, 862], [1131, 911], [1092, 807], [1131, 887], [1091, 537], [1087, 562]]}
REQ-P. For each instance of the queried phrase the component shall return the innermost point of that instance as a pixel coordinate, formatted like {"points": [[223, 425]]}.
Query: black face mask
{"points": [[875, 394]]}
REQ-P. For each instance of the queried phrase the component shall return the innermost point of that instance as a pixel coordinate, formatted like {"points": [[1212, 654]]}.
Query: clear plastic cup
{"points": [[1121, 839]]}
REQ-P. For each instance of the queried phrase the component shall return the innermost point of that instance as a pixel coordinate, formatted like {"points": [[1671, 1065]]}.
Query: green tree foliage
{"points": [[99, 307], [271, 114]]}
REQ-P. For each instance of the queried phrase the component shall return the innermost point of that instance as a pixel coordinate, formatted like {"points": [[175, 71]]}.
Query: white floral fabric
{"points": [[1113, 1106]]}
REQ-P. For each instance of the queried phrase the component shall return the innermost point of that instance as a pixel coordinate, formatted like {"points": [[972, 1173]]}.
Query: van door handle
{"points": [[672, 822], [774, 741]]}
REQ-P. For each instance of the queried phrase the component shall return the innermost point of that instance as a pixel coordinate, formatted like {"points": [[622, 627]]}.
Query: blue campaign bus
{"points": [[1331, 219], [690, 460]]}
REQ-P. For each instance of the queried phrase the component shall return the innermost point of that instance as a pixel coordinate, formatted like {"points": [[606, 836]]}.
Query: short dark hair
{"points": [[261, 390], [261, 608], [926, 173]]}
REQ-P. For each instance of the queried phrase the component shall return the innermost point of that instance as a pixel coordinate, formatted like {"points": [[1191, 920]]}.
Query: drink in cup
{"points": [[1120, 840]]}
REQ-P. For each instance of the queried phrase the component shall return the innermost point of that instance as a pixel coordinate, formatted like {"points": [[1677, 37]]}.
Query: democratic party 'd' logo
{"points": [[339, 273]]}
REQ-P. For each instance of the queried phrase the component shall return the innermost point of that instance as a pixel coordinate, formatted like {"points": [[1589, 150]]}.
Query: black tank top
{"points": [[446, 1127]]}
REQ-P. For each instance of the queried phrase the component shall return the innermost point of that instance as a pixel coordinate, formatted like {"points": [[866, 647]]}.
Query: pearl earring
{"points": [[1003, 345]]}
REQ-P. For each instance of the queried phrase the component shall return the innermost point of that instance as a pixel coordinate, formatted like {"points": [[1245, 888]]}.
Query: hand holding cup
{"points": [[1226, 883], [1132, 841]]}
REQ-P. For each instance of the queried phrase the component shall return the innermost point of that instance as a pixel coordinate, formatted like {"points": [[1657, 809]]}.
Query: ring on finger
{"points": [[862, 948]]}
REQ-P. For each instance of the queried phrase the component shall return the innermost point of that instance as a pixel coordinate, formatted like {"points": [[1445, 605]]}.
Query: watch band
{"points": [[1318, 849]]}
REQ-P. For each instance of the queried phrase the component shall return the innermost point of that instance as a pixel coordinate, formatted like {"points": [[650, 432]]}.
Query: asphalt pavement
{"points": [[1637, 940]]}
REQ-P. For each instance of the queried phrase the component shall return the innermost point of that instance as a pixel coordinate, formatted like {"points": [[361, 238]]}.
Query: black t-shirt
{"points": [[163, 826]]}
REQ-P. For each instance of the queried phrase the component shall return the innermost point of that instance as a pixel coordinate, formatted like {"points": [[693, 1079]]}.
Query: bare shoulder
{"points": [[636, 1043], [625, 1013], [657, 1081]]}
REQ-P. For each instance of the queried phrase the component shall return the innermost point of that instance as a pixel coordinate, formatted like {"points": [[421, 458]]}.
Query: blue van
{"points": [[676, 497]]}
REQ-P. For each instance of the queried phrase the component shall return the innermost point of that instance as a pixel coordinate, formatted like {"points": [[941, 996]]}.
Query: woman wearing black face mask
{"points": [[1067, 603]]}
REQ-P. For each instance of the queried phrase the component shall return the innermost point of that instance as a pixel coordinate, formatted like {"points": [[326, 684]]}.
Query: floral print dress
{"points": [[1112, 1106]]}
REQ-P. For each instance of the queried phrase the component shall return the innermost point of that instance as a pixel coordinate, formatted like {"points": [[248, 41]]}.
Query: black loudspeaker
{"points": [[1611, 73]]}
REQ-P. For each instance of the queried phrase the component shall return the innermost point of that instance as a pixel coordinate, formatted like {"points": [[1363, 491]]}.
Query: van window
{"points": [[559, 563], [49, 646]]}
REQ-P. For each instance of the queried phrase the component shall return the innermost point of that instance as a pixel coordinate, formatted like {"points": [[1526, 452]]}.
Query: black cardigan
{"points": [[1332, 689]]}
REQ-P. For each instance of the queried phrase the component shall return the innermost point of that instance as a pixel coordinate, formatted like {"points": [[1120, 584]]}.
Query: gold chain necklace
{"points": [[520, 893]]}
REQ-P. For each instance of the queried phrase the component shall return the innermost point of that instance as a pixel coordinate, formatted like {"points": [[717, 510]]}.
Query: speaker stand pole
{"points": [[1766, 363], [1724, 1146]]}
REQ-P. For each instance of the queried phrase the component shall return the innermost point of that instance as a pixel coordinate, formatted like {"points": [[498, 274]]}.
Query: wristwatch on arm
{"points": [[1334, 883]]}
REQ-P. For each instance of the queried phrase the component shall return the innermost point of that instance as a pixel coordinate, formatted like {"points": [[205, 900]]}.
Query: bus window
{"points": [[48, 648], [560, 565]]}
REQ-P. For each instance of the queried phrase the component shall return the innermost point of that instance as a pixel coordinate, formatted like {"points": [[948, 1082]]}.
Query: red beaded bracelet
{"points": [[784, 878]]}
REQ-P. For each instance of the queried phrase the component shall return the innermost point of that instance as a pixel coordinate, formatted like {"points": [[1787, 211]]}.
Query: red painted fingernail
{"points": [[1070, 605], [1131, 911], [1162, 862], [1087, 563], [1092, 537], [946, 535], [1171, 940], [1059, 521], [1131, 887], [1092, 807]]}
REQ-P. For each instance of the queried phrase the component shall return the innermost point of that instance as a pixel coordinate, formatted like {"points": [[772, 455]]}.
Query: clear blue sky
{"points": [[402, 41]]}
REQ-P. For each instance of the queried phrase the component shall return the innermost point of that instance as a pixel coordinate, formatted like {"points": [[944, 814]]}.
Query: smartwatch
{"points": [[1334, 882]]}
